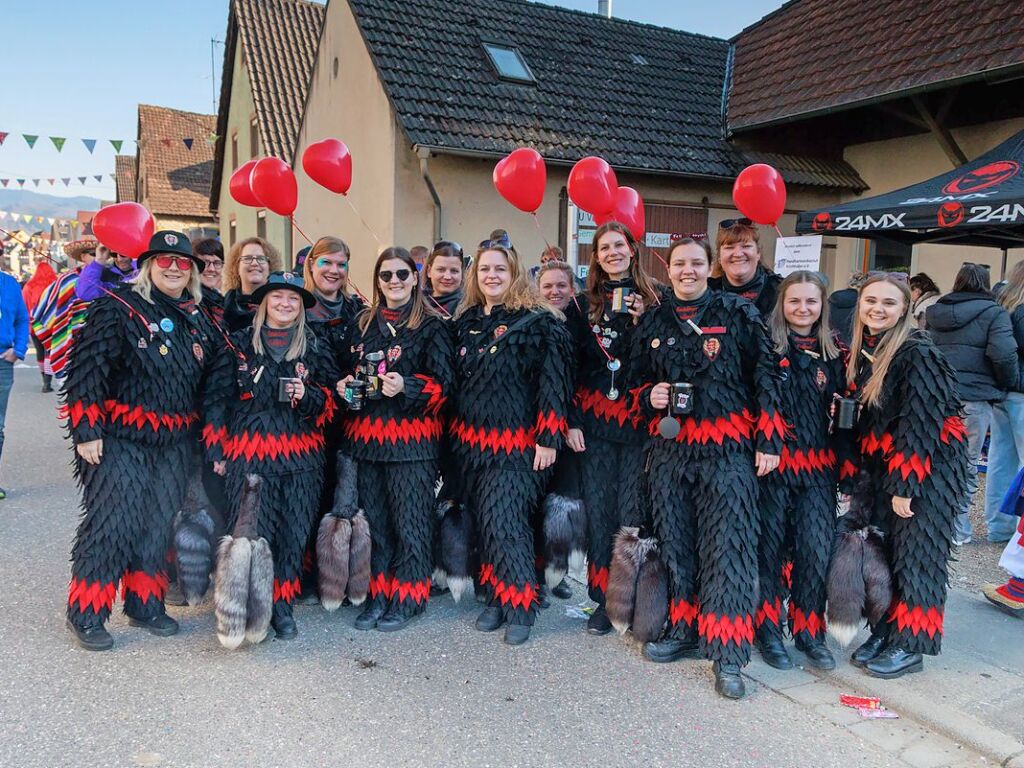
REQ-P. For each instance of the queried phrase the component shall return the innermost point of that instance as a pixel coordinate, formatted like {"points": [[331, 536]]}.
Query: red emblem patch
{"points": [[394, 353], [821, 379], [712, 347]]}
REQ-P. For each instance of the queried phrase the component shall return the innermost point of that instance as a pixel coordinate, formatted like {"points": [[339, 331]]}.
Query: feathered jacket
{"points": [[762, 289], [244, 418], [615, 420], [513, 386], [137, 368], [718, 345], [408, 426], [334, 324], [916, 436]]}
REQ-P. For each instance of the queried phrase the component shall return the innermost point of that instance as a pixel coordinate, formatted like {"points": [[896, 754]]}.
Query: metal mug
{"points": [[846, 413], [681, 400], [282, 388], [619, 304], [372, 364], [355, 394]]}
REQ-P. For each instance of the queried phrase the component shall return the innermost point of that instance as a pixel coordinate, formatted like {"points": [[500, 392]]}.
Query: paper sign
{"points": [[795, 253]]}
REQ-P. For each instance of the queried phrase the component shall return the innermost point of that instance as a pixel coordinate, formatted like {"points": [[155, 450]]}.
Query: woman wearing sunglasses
{"points": [[706, 383], [604, 428], [738, 268], [403, 362], [913, 447], [250, 262], [514, 362], [268, 401], [443, 275], [132, 392]]}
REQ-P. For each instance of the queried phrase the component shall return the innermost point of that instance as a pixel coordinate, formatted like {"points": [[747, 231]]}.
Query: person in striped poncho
{"points": [[60, 313]]}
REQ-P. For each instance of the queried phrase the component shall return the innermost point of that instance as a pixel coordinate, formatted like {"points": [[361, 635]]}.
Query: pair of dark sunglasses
{"points": [[730, 223], [385, 275], [503, 242]]}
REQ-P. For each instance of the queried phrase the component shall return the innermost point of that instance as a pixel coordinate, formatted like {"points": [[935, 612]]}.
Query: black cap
{"points": [[171, 242], [287, 280]]}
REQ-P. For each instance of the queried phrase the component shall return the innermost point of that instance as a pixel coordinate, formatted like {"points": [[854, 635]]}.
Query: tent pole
{"points": [[1002, 272]]}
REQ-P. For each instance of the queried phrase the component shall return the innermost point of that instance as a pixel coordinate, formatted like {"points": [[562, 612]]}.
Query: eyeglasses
{"points": [[730, 223], [213, 265], [899, 277], [502, 241], [184, 263], [323, 262], [252, 259], [385, 275]]}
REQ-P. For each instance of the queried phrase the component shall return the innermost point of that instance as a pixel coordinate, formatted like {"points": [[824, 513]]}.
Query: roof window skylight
{"points": [[508, 62]]}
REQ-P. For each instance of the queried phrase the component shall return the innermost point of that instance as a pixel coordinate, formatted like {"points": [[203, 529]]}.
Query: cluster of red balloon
{"points": [[124, 228], [594, 188]]}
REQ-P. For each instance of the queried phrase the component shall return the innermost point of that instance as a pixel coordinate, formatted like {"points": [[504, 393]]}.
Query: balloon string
{"points": [[298, 229], [536, 220], [45, 255], [360, 217], [782, 239]]}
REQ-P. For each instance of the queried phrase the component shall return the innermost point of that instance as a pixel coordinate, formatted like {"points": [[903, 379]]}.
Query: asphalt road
{"points": [[438, 693]]}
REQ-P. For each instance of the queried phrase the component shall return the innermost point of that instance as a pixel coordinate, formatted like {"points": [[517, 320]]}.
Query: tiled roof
{"points": [[279, 39], [124, 176], [643, 97], [813, 56], [177, 179]]}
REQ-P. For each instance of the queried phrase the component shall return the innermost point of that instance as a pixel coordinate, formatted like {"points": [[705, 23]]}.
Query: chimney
{"points": [[604, 8]]}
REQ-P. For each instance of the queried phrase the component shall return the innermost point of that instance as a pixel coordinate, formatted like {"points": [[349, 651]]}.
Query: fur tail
{"points": [[620, 594], [650, 611], [261, 592], [359, 559], [455, 554], [578, 545], [846, 587], [345, 491], [332, 555], [194, 554], [231, 590], [558, 537], [878, 592]]}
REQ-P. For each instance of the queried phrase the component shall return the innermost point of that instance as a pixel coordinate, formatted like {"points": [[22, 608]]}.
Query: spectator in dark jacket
{"points": [[975, 335], [842, 304], [1006, 450]]}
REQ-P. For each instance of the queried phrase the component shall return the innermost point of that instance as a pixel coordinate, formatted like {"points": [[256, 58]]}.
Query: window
{"points": [[234, 150], [508, 63], [261, 224], [254, 138], [232, 232], [890, 256], [638, 59]]}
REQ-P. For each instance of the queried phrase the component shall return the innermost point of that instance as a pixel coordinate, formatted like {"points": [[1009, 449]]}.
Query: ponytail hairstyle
{"points": [[418, 309], [779, 328], [890, 344], [646, 285]]}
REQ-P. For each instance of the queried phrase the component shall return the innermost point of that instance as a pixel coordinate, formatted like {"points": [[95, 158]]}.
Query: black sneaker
{"points": [[160, 625], [93, 638], [282, 622], [562, 591], [490, 619], [517, 634], [371, 614], [599, 623]]}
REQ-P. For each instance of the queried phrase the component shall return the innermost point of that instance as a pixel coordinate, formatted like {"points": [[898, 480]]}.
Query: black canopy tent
{"points": [[980, 203]]}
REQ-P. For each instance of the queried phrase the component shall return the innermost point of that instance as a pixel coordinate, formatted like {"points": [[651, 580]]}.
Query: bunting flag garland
{"points": [[58, 142], [51, 181], [36, 182], [28, 218], [116, 143], [30, 140], [4, 182], [21, 182], [67, 181], [188, 143], [98, 177], [3, 138], [81, 179], [90, 144]]}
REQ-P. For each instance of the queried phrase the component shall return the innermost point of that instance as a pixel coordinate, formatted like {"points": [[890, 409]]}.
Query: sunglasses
{"points": [[184, 263], [385, 275], [730, 223], [899, 277], [502, 241]]}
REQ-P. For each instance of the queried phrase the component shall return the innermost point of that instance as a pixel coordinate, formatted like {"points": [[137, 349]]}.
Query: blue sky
{"points": [[79, 70]]}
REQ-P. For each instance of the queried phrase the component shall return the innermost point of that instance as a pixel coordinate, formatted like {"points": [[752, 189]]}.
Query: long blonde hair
{"points": [[778, 326], [324, 245], [886, 350], [231, 279], [1013, 294], [143, 282], [298, 346], [521, 293], [417, 312]]}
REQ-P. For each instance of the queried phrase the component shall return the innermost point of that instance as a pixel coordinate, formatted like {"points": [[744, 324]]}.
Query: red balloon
{"points": [[520, 178], [628, 210], [760, 194], [124, 228], [592, 185], [239, 185], [329, 164], [273, 183]]}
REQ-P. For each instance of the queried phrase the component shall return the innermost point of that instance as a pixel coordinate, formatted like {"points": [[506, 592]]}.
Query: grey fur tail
{"points": [[231, 590], [359, 559], [620, 594], [332, 556], [560, 535], [193, 553], [261, 592]]}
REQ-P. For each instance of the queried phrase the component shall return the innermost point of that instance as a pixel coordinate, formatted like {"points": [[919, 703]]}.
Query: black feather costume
{"points": [[702, 483], [133, 382]]}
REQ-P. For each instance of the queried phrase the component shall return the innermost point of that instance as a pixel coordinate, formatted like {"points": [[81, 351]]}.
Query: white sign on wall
{"points": [[796, 253]]}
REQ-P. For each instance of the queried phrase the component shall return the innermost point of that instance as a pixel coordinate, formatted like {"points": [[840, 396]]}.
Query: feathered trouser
{"points": [[705, 515], [504, 501], [129, 500], [918, 551], [613, 488], [398, 499], [797, 527], [289, 505]]}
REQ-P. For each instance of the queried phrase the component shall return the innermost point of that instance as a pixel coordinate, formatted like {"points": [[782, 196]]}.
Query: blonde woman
{"points": [[913, 448], [513, 380], [266, 405], [131, 400], [249, 264]]}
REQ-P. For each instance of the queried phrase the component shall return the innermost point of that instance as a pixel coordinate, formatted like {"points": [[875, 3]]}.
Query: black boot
{"points": [[672, 649], [728, 681], [599, 623], [483, 594], [282, 622], [817, 653], [398, 617], [372, 613], [93, 637], [517, 634], [769, 644], [562, 590], [160, 625], [894, 662], [490, 619], [873, 646], [47, 383], [542, 596]]}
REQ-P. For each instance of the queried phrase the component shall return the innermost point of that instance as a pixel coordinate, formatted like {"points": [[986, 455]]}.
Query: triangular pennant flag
{"points": [[66, 180], [116, 144], [112, 177], [21, 182], [51, 181], [90, 144], [27, 217], [50, 220], [40, 219], [81, 180], [30, 140], [98, 177], [188, 143], [58, 142], [3, 137], [166, 142], [74, 222], [36, 182], [4, 182], [3, 214]]}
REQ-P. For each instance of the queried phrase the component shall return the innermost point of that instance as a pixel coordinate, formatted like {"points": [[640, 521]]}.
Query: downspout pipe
{"points": [[424, 155]]}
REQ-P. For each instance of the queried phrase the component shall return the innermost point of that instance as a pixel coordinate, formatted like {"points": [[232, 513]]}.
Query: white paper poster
{"points": [[795, 253]]}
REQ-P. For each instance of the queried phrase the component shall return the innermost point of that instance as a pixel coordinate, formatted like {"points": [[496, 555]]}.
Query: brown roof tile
{"points": [[814, 56], [177, 179], [124, 176]]}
